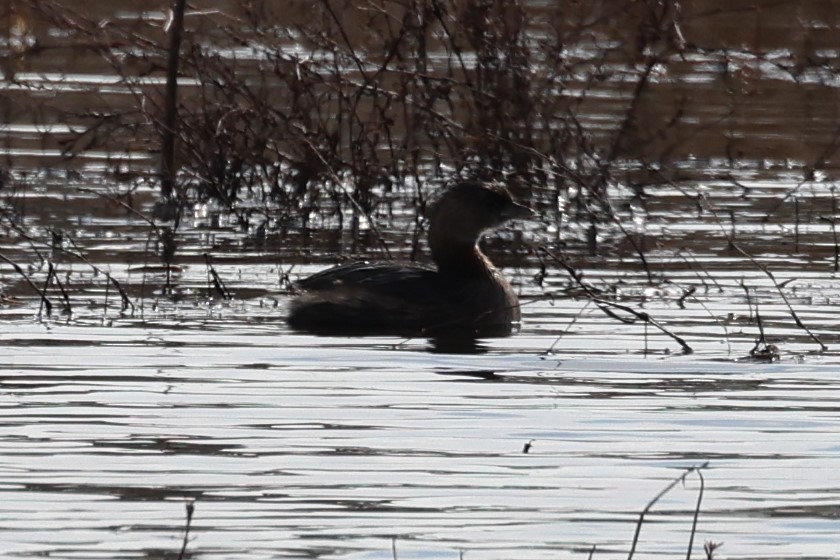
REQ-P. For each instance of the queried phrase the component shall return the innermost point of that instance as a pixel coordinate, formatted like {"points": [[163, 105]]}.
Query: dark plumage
{"points": [[465, 295]]}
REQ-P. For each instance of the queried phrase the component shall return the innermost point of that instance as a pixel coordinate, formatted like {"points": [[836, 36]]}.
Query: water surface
{"points": [[113, 417], [298, 446]]}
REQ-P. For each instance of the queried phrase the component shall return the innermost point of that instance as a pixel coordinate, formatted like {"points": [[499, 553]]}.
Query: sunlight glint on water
{"points": [[291, 449]]}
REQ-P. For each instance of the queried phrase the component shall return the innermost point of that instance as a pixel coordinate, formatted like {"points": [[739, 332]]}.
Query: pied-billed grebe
{"points": [[465, 296]]}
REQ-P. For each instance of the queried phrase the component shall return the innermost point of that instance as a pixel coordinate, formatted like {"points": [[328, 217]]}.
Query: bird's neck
{"points": [[458, 255]]}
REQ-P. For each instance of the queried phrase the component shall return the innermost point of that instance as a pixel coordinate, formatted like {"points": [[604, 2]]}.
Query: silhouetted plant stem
{"points": [[699, 471], [687, 293], [769, 275], [66, 308], [218, 284], [190, 507], [45, 289], [731, 242], [749, 299], [45, 302], [170, 118], [168, 245], [129, 208], [607, 306], [631, 114], [732, 232], [50, 272], [709, 548], [126, 301], [370, 220], [706, 275], [659, 496], [636, 247], [106, 302], [164, 235]]}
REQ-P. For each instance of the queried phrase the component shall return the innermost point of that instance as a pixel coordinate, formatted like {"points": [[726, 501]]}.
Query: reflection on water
{"points": [[457, 345], [297, 446]]}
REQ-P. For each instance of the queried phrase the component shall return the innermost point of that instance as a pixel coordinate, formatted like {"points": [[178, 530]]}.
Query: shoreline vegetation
{"points": [[347, 116]]}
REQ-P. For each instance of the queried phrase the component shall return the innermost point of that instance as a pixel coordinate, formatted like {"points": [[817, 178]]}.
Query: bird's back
{"points": [[409, 300]]}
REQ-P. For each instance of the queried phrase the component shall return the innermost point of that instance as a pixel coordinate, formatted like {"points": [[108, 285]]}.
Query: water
{"points": [[112, 420], [297, 446]]}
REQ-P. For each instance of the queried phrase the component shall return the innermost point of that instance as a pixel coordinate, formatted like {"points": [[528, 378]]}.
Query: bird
{"points": [[463, 295]]}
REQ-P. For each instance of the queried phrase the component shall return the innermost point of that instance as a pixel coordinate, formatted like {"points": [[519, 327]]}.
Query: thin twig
{"points": [[767, 273], [190, 507], [655, 499], [45, 301], [170, 119], [218, 283], [66, 308], [607, 306], [696, 512], [126, 301]]}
